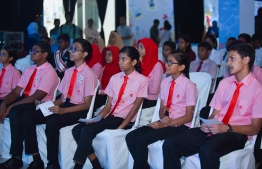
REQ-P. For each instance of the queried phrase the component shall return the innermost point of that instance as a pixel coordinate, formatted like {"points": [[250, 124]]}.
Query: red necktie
{"points": [[30, 83], [72, 84], [121, 92], [2, 76], [232, 104], [170, 95], [199, 67]]}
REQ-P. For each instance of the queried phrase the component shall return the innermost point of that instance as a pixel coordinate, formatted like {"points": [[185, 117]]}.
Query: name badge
{"points": [[37, 77], [81, 78]]}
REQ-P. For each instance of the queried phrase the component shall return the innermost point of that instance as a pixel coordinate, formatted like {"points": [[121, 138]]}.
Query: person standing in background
{"points": [[56, 28], [165, 33], [41, 29], [90, 31], [125, 32], [154, 32]]}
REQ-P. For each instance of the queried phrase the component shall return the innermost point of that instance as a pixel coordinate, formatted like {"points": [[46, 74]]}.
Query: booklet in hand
{"points": [[93, 120], [44, 108], [210, 121]]}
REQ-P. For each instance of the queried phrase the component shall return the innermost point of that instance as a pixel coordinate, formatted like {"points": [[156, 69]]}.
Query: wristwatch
{"points": [[229, 128]]}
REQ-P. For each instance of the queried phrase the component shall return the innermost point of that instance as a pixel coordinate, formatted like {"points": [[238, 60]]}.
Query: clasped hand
{"points": [[214, 128]]}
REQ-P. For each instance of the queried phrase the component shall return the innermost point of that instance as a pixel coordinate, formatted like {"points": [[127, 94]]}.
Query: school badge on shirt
{"points": [[37, 77], [81, 78]]}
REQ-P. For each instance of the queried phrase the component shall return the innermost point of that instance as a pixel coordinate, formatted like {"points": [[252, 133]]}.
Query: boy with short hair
{"points": [[237, 104]]}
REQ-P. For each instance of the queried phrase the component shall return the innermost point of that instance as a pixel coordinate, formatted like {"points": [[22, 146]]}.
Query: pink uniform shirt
{"points": [[137, 85], [45, 80], [10, 80], [185, 94], [249, 103], [208, 66], [154, 81], [84, 85], [98, 70]]}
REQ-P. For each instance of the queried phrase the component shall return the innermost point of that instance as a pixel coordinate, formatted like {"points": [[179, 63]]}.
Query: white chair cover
{"points": [[239, 159], [67, 144], [203, 83], [110, 146]]}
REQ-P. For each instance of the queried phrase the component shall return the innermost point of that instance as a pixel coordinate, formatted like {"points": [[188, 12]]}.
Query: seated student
{"points": [[100, 43], [77, 88], [178, 98], [9, 74], [153, 69], [244, 37], [111, 67], [125, 91], [34, 84], [168, 47], [214, 55], [61, 59], [184, 44], [256, 43], [95, 61], [237, 104], [204, 64]]}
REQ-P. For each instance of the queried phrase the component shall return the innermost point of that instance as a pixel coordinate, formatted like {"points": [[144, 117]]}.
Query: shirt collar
{"points": [[81, 67], [245, 81], [8, 67], [42, 66], [204, 61], [178, 80], [131, 75]]}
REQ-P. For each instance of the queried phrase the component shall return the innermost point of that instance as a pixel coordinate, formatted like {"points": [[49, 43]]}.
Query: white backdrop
{"points": [[142, 15]]}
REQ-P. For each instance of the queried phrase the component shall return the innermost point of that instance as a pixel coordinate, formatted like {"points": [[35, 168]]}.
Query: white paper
{"points": [[210, 121], [44, 108], [93, 120]]}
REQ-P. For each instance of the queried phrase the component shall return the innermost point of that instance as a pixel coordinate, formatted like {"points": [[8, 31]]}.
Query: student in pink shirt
{"points": [[152, 68], [237, 104], [95, 61], [9, 74], [126, 91], [38, 82], [77, 88], [175, 117]]}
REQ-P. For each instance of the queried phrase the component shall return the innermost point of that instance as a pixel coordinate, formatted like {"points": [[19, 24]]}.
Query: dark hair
{"points": [[186, 38], [56, 20], [246, 36], [64, 37], [244, 50], [133, 54], [156, 21], [90, 20], [170, 44], [45, 38], [86, 45], [213, 39], [44, 46], [256, 37], [11, 53], [259, 12], [182, 59], [69, 14], [232, 38], [167, 25], [205, 45]]}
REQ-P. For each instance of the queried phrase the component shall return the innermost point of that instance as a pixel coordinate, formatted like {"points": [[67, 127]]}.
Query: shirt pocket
{"points": [[242, 107]]}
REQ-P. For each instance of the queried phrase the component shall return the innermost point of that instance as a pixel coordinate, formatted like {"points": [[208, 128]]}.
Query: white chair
{"points": [[6, 137], [239, 159], [67, 144], [110, 146], [213, 86], [203, 83]]}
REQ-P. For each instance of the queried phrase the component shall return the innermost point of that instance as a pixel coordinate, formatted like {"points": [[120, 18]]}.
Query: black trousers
{"points": [[53, 123], [85, 133], [194, 141], [16, 126], [138, 140]]}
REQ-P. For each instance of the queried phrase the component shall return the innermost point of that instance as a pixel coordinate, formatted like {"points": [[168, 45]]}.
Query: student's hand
{"points": [[38, 102], [2, 112], [166, 120], [218, 128], [205, 128], [157, 125], [3, 115], [57, 110]]}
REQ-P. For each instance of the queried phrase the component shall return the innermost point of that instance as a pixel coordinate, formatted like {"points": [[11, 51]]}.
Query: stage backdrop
{"points": [[143, 13]]}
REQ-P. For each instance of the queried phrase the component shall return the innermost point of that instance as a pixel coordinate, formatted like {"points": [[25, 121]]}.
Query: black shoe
{"points": [[38, 165], [12, 163], [53, 165]]}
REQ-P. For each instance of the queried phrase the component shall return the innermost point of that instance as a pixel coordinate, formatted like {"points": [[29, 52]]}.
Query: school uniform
{"points": [[40, 81], [9, 80], [84, 86], [84, 134], [185, 94], [212, 147], [216, 56], [98, 70], [60, 61]]}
